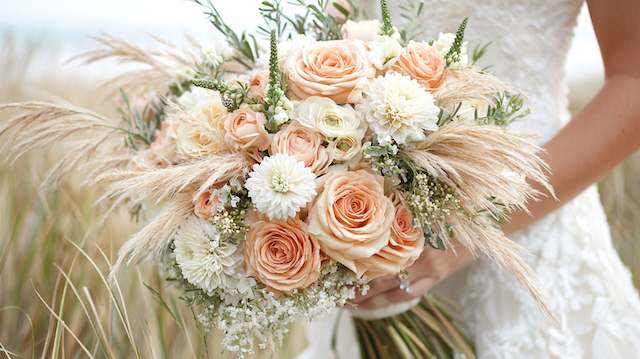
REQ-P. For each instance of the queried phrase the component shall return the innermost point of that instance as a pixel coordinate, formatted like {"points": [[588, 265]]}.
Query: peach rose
{"points": [[303, 144], [405, 246], [282, 255], [361, 30], [206, 205], [422, 62], [245, 129], [351, 217], [334, 69], [258, 84]]}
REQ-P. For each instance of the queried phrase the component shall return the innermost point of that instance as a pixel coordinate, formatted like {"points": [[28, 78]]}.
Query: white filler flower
{"points": [[397, 107], [205, 261], [280, 185]]}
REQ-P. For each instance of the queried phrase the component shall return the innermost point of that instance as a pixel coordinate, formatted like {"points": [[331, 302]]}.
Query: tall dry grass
{"points": [[54, 254]]}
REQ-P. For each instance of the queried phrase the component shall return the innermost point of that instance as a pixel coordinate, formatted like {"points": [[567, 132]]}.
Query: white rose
{"points": [[444, 43], [328, 118]]}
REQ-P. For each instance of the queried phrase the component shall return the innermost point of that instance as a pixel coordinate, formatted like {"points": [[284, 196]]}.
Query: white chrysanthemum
{"points": [[444, 42], [201, 130], [207, 262], [280, 185], [397, 107]]}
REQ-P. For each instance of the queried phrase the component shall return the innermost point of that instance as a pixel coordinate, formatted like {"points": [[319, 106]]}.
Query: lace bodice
{"points": [[529, 44]]}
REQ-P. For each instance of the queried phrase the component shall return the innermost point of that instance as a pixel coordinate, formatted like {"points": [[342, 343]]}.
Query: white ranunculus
{"points": [[397, 107], [280, 186], [347, 148], [331, 120], [200, 130], [384, 51], [206, 261], [444, 42]]}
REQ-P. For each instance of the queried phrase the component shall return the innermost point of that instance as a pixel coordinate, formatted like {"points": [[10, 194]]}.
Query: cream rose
{"points": [[282, 255], [405, 246], [334, 69], [361, 30], [325, 116], [351, 217], [422, 62], [303, 144], [245, 130]]}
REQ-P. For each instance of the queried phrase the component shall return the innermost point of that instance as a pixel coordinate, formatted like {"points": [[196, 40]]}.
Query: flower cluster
{"points": [[313, 175]]}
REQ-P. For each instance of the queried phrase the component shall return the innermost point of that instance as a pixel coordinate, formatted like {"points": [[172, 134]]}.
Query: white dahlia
{"points": [[397, 107], [206, 261], [280, 185]]}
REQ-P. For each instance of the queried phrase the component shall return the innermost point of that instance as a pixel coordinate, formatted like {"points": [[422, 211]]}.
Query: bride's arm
{"points": [[607, 130], [600, 136]]}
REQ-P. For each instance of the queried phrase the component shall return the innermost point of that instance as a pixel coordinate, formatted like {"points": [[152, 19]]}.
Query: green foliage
{"points": [[506, 109], [411, 26], [478, 52], [274, 18], [245, 44], [140, 125], [232, 96], [323, 25], [453, 56]]}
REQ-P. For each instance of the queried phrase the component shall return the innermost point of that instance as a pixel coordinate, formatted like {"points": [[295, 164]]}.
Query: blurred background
{"points": [[54, 301]]}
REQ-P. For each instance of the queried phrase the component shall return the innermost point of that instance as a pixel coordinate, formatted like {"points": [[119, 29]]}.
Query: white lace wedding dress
{"points": [[588, 286]]}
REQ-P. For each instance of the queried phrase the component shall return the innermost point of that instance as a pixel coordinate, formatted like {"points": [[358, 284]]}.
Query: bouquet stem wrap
{"points": [[422, 328]]}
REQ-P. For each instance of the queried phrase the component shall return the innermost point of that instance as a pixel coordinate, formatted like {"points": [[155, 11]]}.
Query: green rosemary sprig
{"points": [[387, 24], [453, 55]]}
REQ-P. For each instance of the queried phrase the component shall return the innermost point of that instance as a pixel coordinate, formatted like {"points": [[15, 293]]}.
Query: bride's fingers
{"points": [[419, 288], [378, 286]]}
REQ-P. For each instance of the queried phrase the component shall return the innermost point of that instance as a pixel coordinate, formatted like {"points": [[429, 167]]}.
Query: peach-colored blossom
{"points": [[334, 69], [405, 246], [361, 30], [282, 255], [258, 84], [351, 217], [206, 205], [422, 62], [245, 130], [303, 144]]}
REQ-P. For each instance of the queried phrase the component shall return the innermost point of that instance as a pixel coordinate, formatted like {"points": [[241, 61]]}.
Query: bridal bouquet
{"points": [[278, 175]]}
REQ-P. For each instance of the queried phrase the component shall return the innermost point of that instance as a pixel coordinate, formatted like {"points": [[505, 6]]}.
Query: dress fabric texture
{"points": [[570, 249]]}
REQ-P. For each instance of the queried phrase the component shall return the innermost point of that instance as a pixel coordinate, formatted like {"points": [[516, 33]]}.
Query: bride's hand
{"points": [[428, 270]]}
